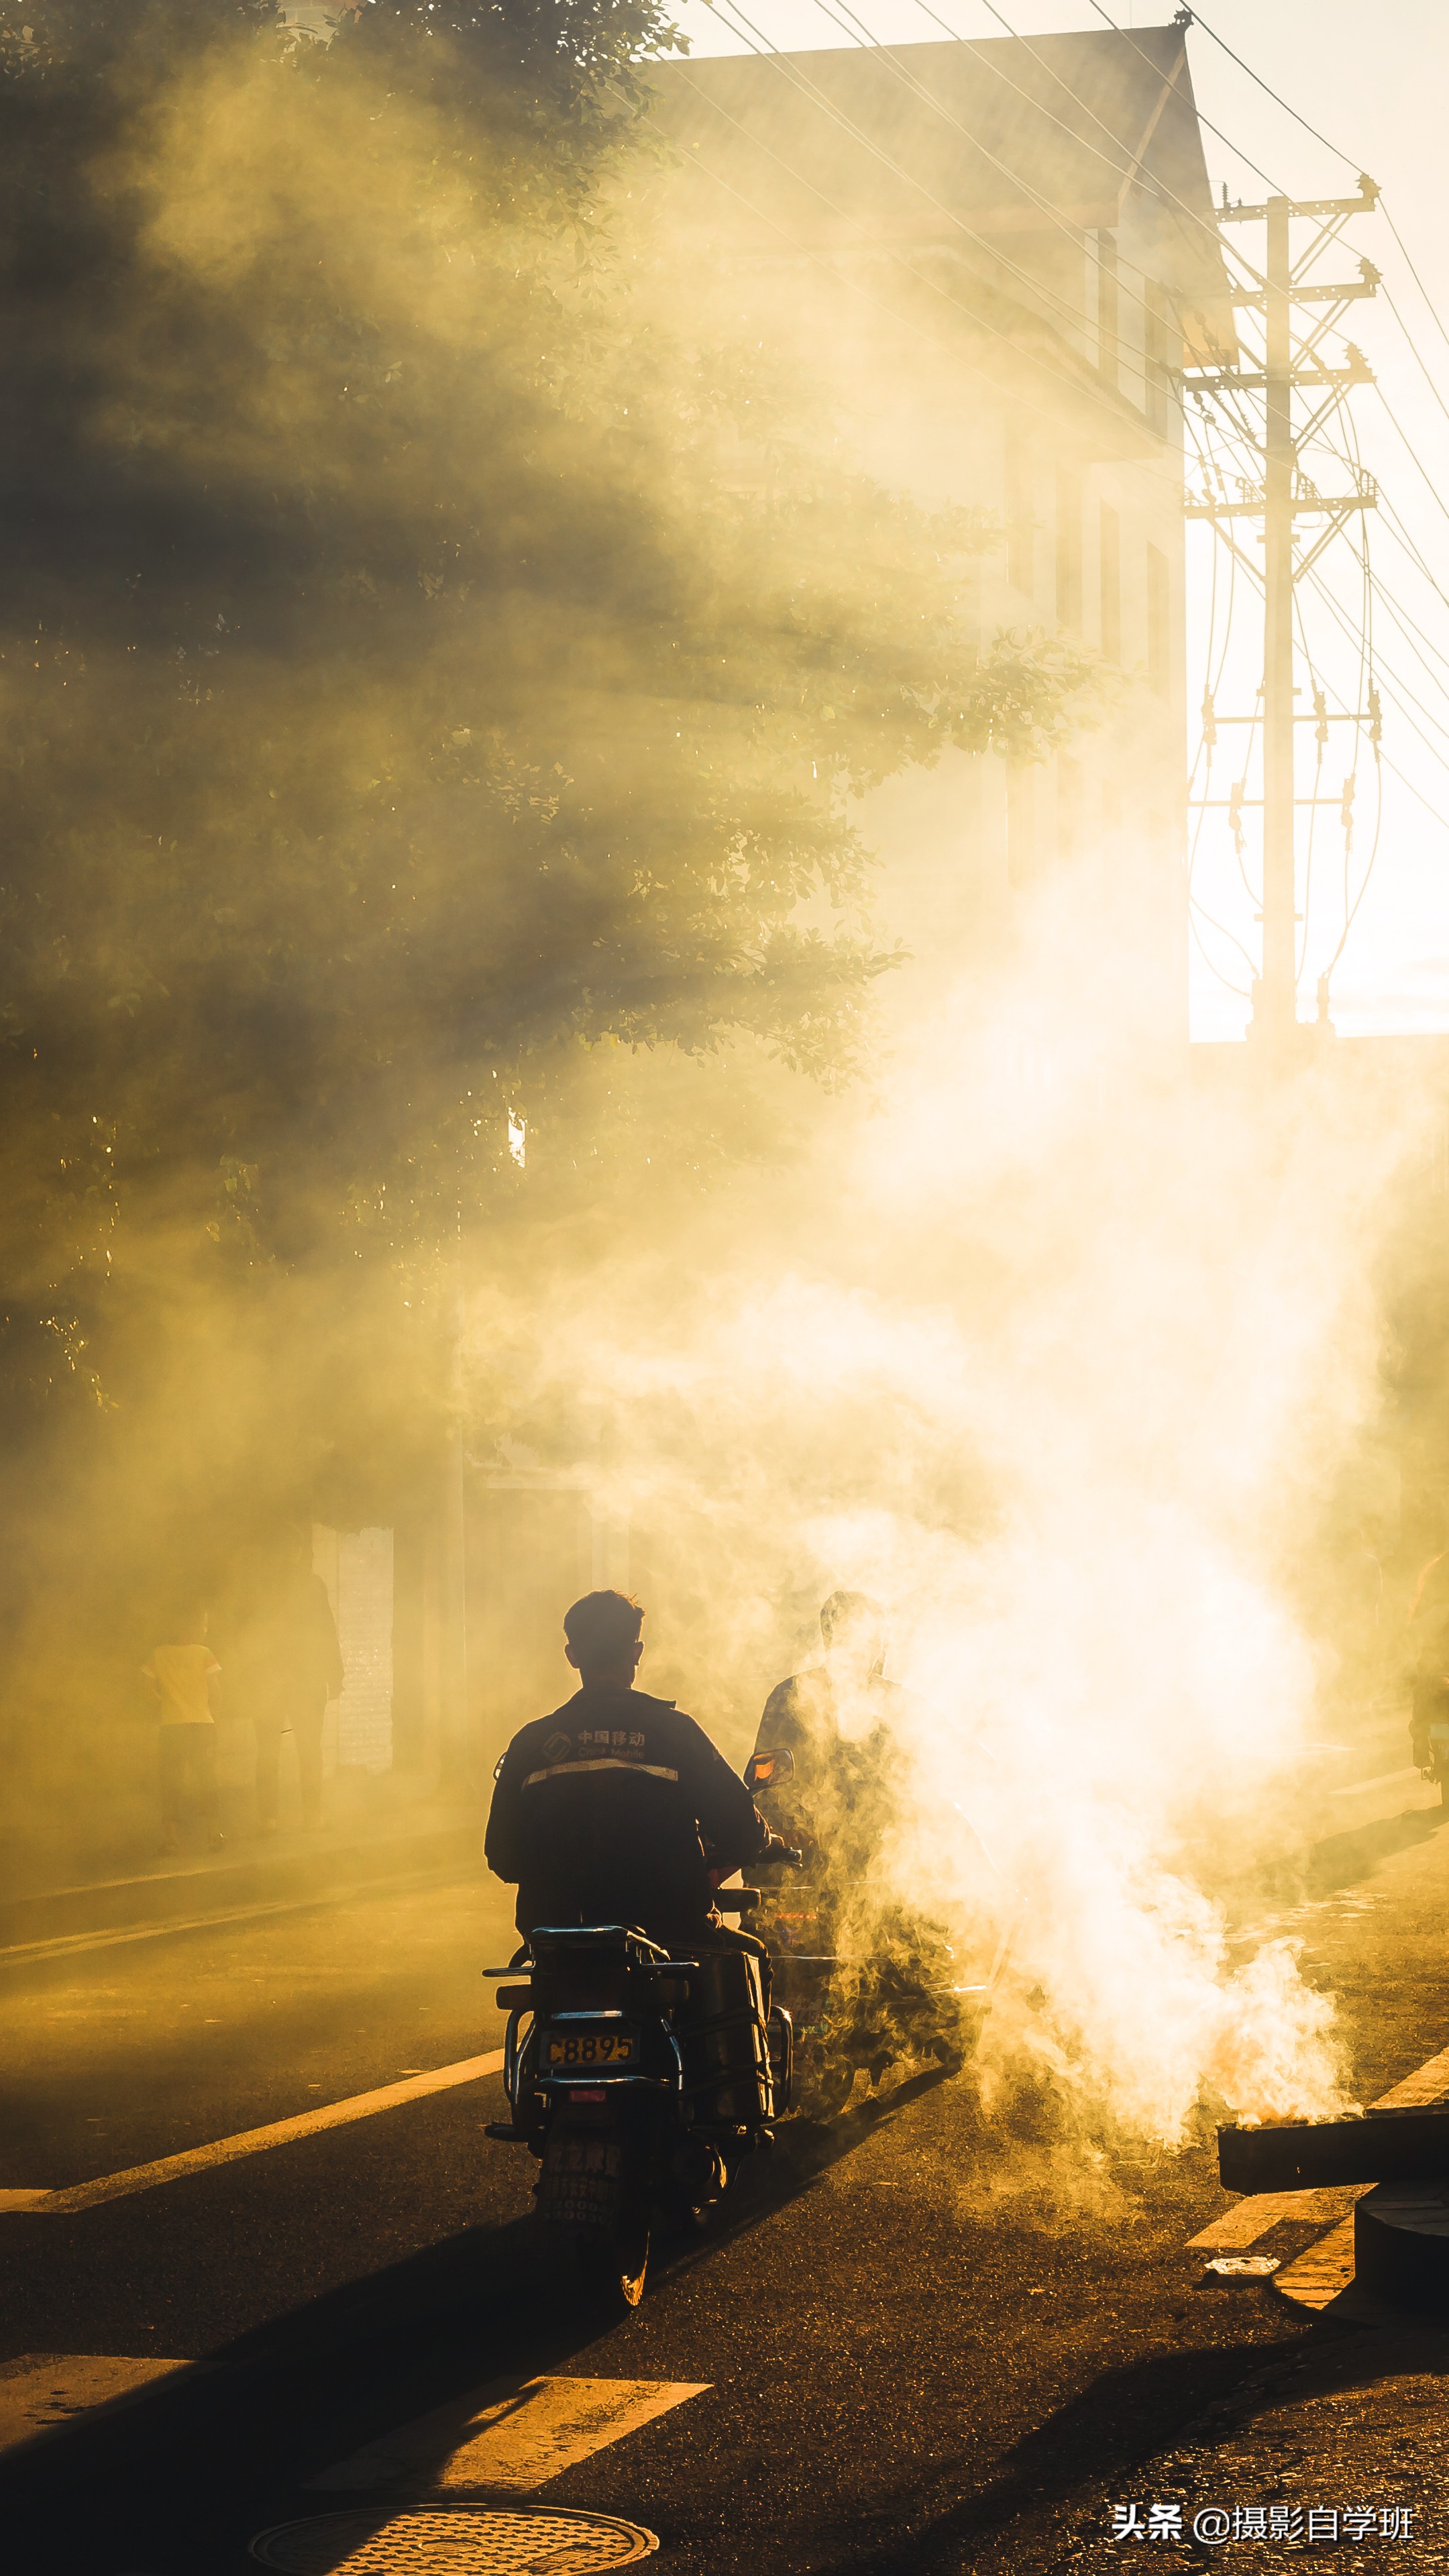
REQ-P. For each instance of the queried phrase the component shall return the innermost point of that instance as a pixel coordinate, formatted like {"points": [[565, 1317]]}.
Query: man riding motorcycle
{"points": [[835, 1720], [617, 1808], [868, 1979]]}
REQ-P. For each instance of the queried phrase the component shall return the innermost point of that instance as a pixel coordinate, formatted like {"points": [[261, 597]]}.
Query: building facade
{"points": [[998, 257], [994, 260]]}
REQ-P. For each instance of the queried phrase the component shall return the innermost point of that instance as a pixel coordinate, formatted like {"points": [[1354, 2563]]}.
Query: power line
{"points": [[897, 259], [1419, 643], [868, 42], [801, 83], [1374, 586], [1223, 933], [1413, 272], [1395, 524], [1379, 667], [1402, 619], [1202, 120], [1417, 352], [1382, 670], [1350, 912], [1198, 20], [1413, 453], [1158, 187], [1349, 160]]}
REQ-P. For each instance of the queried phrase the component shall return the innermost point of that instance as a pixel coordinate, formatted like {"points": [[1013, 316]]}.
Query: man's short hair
{"points": [[847, 1610], [603, 1628]]}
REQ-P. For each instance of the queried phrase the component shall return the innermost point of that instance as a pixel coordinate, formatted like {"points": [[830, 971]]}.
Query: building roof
{"points": [[905, 145]]}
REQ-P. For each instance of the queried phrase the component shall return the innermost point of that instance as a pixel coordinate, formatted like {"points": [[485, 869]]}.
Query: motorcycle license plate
{"points": [[593, 2048]]}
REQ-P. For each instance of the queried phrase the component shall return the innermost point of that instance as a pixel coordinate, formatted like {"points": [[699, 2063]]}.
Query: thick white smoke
{"points": [[1060, 1355]]}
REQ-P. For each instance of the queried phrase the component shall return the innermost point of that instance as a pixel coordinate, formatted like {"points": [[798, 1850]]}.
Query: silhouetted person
{"points": [[835, 1717], [1429, 1622], [295, 1667], [184, 1679], [617, 1808]]}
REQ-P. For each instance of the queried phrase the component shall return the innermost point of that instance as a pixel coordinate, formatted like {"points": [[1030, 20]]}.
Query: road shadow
{"points": [[267, 2411], [1126, 2416], [1133, 2414], [1340, 1860], [803, 2151]]}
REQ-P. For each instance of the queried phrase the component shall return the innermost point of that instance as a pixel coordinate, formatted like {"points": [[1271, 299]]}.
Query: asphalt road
{"points": [[923, 2341]]}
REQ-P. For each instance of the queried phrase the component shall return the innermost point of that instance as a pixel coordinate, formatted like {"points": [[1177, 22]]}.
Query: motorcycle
{"points": [[850, 2013], [639, 2081]]}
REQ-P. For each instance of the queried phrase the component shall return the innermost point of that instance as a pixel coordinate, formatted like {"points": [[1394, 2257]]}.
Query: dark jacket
{"points": [[286, 1663], [841, 1796], [601, 1813]]}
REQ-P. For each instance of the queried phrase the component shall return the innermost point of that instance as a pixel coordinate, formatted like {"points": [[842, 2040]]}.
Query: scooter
{"points": [[639, 2081]]}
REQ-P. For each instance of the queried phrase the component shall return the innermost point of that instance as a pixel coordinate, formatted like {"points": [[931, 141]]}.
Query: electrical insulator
{"points": [[1209, 720], [1235, 814]]}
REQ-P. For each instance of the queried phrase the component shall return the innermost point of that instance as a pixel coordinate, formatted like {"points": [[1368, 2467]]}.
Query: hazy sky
{"points": [[1374, 83]]}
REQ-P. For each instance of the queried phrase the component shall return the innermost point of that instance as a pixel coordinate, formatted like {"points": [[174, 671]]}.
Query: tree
{"points": [[432, 655]]}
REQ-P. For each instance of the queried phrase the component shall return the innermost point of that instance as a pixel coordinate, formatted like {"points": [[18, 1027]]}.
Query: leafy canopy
{"points": [[438, 644]]}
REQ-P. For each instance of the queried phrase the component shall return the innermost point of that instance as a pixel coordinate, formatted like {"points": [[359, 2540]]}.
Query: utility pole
{"points": [[1283, 497], [1276, 998]]}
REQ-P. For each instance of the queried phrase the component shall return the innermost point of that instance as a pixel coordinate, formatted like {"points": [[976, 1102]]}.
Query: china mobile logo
{"points": [[1216, 2523]]}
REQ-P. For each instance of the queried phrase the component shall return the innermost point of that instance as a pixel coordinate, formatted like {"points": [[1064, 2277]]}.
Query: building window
{"points": [[1020, 525], [1110, 565], [1160, 387], [1069, 548], [1107, 305], [1159, 631]]}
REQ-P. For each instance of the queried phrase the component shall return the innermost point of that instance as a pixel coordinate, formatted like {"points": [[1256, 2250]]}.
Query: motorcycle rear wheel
{"points": [[612, 2263]]}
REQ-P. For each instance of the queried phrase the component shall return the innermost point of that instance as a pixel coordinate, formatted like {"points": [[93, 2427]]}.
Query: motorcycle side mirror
{"points": [[767, 1770]]}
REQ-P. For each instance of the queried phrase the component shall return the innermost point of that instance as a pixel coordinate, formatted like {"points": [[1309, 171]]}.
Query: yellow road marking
{"points": [[1428, 2084], [1249, 2219], [1316, 2276], [250, 2142], [516, 2439]]}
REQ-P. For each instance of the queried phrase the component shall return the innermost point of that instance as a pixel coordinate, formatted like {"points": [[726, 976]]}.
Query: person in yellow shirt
{"points": [[185, 1681]]}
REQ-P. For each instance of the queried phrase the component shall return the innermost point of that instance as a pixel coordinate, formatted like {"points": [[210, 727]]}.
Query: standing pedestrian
{"points": [[1429, 1623], [297, 1668], [184, 1679]]}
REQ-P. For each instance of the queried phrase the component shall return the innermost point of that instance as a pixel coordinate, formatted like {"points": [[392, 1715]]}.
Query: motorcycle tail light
{"points": [[591, 2093]]}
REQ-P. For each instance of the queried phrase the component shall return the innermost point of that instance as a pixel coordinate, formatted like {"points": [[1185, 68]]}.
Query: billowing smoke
{"points": [[448, 665], [1060, 1357]]}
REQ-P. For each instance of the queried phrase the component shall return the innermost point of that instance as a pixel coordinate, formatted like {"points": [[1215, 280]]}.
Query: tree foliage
{"points": [[434, 647]]}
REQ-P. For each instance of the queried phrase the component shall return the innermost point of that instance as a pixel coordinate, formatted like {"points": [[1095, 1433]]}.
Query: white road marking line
{"points": [[45, 2388], [515, 2440], [250, 2142], [1249, 2219]]}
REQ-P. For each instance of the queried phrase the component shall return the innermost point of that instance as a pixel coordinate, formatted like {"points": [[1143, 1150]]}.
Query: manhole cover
{"points": [[452, 2540]]}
